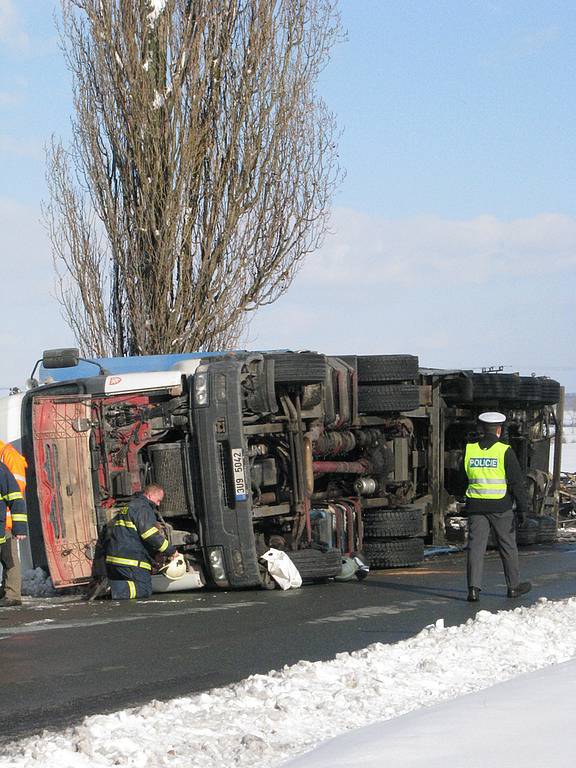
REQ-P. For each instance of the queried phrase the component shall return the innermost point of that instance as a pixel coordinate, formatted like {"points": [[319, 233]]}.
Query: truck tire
{"points": [[507, 386], [397, 553], [546, 530], [392, 523], [378, 398], [313, 564], [495, 386], [529, 389], [374, 369], [299, 368], [527, 533], [484, 386], [550, 391]]}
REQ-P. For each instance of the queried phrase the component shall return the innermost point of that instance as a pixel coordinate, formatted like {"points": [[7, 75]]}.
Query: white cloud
{"points": [[403, 252], [466, 293], [457, 293], [12, 31]]}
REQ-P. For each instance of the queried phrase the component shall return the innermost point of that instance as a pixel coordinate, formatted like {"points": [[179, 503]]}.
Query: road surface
{"points": [[63, 658]]}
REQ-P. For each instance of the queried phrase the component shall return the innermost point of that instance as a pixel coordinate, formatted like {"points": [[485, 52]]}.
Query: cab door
{"points": [[61, 428]]}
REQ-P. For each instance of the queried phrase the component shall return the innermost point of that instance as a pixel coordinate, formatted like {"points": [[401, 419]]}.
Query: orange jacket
{"points": [[17, 464]]}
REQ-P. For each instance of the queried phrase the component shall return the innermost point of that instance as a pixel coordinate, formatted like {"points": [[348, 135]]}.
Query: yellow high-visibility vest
{"points": [[486, 471]]}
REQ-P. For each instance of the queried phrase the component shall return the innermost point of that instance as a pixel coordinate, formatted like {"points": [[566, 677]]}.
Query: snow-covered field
{"points": [[569, 444], [267, 719], [569, 457]]}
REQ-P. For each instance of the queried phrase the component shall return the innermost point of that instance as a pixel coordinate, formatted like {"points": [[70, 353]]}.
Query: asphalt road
{"points": [[62, 658]]}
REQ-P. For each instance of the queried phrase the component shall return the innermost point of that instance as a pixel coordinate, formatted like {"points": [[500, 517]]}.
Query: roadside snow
{"points": [[266, 719], [37, 583], [522, 722]]}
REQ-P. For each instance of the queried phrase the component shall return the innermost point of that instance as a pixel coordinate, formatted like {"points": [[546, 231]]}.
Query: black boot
{"points": [[99, 588], [473, 594], [521, 589]]}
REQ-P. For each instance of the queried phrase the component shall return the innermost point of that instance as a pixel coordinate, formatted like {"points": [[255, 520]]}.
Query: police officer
{"points": [[494, 481], [132, 541], [11, 505]]}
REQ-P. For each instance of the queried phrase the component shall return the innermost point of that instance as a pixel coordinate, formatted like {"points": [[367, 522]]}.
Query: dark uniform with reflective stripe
{"points": [[133, 538], [11, 499], [492, 509]]}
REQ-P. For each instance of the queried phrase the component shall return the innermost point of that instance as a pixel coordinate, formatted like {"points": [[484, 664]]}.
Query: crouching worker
{"points": [[132, 541]]}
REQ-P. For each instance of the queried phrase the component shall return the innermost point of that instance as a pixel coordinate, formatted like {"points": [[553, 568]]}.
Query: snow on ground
{"points": [[568, 463], [37, 583], [266, 719], [522, 722], [567, 533], [568, 457]]}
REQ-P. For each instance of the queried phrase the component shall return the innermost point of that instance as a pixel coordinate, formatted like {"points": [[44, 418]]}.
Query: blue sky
{"points": [[454, 232]]}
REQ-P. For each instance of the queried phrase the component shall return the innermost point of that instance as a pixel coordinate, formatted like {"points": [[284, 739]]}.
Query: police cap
{"points": [[492, 417]]}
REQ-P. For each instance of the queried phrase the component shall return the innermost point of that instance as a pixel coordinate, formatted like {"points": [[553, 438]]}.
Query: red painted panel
{"points": [[64, 483], [62, 426]]}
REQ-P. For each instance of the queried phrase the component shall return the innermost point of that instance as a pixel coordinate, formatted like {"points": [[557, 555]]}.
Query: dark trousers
{"points": [[504, 526], [11, 572], [128, 582]]}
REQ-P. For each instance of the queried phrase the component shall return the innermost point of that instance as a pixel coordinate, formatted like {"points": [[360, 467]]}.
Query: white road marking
{"points": [[368, 612], [25, 629]]}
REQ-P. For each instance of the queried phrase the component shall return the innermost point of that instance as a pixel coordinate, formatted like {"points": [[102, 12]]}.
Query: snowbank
{"points": [[266, 719], [522, 722], [37, 583]]}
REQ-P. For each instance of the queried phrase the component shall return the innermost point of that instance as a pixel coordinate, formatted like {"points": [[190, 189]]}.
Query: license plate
{"points": [[238, 472]]}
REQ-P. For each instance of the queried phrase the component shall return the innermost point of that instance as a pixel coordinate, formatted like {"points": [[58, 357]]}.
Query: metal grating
{"points": [[168, 465], [225, 473]]}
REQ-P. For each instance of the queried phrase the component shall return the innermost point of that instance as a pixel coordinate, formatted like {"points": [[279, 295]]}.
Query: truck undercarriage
{"points": [[322, 457]]}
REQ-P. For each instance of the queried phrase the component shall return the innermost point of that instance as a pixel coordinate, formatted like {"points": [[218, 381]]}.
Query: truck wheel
{"points": [[313, 564], [388, 397], [299, 368], [527, 534], [374, 369], [529, 389], [550, 391], [397, 553], [392, 523], [546, 529], [495, 386], [507, 386]]}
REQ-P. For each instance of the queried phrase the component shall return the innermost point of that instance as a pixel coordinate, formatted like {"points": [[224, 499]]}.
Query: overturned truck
{"points": [[323, 457]]}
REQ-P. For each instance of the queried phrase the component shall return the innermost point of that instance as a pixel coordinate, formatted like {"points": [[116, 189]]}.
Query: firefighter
{"points": [[11, 572], [133, 538], [13, 528], [494, 482]]}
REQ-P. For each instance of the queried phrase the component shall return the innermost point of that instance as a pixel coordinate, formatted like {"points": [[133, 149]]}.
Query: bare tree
{"points": [[200, 171]]}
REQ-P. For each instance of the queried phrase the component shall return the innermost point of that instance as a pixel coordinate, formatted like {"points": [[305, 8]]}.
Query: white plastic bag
{"points": [[282, 569]]}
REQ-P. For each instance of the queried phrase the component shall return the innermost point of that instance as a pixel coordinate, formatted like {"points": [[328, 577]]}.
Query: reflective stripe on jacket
{"points": [[133, 535], [486, 471], [17, 464], [11, 496]]}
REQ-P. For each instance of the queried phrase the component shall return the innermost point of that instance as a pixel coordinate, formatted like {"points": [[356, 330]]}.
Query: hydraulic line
{"points": [[361, 467]]}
